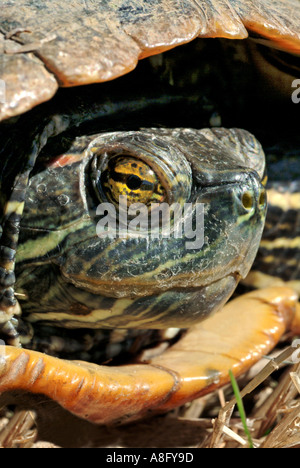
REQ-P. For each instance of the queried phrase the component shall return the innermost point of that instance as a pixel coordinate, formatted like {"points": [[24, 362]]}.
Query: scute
{"points": [[89, 42], [22, 94]]}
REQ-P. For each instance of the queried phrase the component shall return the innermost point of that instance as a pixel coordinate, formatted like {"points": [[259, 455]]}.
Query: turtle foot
{"points": [[235, 338]]}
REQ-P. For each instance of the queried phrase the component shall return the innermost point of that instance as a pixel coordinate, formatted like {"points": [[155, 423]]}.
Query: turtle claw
{"points": [[9, 331], [245, 330], [9, 325]]}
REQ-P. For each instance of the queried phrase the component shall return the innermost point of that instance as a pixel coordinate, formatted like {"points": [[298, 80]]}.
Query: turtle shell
{"points": [[46, 44]]}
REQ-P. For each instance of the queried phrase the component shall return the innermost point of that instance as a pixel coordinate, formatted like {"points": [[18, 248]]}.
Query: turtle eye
{"points": [[132, 178]]}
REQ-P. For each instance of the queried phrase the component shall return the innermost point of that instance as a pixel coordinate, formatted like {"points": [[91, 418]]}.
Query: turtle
{"points": [[62, 273]]}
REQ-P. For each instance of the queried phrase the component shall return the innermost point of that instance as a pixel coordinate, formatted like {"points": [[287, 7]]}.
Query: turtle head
{"points": [[147, 229]]}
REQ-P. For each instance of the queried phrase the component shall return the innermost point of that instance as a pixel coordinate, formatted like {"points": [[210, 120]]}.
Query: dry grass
{"points": [[274, 418], [270, 394]]}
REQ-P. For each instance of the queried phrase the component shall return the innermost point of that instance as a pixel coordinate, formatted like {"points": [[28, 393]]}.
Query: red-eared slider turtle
{"points": [[70, 272]]}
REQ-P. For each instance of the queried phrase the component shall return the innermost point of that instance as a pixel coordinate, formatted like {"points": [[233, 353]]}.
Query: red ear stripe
{"points": [[65, 160]]}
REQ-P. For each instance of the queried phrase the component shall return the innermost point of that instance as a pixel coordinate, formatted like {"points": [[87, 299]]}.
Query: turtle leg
{"points": [[10, 226], [9, 307], [235, 338]]}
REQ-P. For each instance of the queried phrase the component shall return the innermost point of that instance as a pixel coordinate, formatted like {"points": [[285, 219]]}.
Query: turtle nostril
{"points": [[248, 200], [262, 198]]}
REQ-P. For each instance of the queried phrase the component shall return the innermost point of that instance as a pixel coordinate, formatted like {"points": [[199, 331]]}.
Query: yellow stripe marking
{"points": [[282, 242], [285, 201], [97, 315], [37, 248], [14, 207]]}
